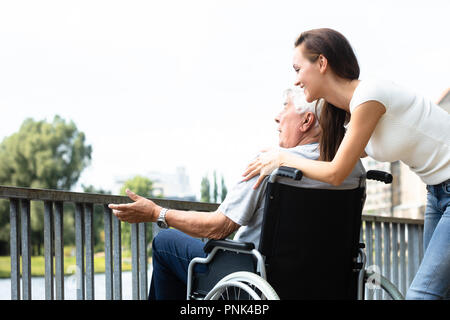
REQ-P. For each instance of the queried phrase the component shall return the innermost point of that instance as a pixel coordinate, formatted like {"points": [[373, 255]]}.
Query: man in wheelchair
{"points": [[242, 210]]}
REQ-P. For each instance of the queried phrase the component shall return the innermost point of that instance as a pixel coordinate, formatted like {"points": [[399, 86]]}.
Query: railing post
{"points": [[26, 249], [134, 261], [378, 255], [59, 250], [386, 253], [48, 249], [395, 254], [420, 243], [117, 257], [143, 260], [369, 253], [14, 210], [402, 260], [79, 243], [411, 251], [107, 215], [89, 238]]}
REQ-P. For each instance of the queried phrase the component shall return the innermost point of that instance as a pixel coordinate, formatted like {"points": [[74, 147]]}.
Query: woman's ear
{"points": [[323, 63]]}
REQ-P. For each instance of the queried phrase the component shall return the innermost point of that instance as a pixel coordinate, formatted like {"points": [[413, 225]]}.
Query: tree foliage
{"points": [[206, 195], [224, 190], [46, 155], [142, 186], [215, 188]]}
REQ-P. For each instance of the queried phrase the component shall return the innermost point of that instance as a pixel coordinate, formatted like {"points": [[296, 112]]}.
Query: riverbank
{"points": [[70, 287], [38, 264]]}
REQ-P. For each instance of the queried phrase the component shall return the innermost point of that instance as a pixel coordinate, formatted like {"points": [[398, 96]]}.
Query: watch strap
{"points": [[162, 215]]}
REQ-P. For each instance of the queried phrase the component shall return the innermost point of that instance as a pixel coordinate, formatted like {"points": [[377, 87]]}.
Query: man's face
{"points": [[289, 122]]}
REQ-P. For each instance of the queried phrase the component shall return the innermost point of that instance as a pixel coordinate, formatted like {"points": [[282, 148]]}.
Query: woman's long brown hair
{"points": [[342, 61]]}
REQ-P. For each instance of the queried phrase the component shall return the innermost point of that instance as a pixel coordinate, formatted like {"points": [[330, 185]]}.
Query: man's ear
{"points": [[307, 122], [323, 63]]}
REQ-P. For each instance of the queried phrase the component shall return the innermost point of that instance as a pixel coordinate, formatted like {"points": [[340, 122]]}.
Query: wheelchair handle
{"points": [[289, 172], [379, 176]]}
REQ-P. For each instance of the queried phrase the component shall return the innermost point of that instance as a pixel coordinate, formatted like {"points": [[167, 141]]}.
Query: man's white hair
{"points": [[297, 96]]}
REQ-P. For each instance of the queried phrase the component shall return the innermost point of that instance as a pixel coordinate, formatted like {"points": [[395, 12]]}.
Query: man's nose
{"points": [[277, 118]]}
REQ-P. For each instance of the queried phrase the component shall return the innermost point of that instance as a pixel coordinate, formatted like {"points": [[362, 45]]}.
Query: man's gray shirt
{"points": [[245, 206]]}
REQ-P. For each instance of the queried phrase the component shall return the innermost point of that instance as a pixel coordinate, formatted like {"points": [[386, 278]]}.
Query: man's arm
{"points": [[213, 225]]}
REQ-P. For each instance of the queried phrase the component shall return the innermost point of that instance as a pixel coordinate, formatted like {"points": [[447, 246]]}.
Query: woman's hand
{"points": [[263, 165], [141, 210]]}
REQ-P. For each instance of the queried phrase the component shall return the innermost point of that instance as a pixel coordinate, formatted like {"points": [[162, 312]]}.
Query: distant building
{"points": [[379, 195], [173, 186], [407, 195]]}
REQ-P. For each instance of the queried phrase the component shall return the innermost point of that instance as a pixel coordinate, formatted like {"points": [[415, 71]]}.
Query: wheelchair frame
{"points": [[261, 268], [363, 274]]}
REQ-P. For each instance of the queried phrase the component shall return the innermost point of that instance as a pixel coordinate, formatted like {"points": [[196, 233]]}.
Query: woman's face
{"points": [[308, 75]]}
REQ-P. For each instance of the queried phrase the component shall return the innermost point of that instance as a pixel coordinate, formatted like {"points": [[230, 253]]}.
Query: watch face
{"points": [[161, 224]]}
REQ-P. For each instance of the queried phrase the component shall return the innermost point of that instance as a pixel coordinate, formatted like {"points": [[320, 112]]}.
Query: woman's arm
{"points": [[363, 121]]}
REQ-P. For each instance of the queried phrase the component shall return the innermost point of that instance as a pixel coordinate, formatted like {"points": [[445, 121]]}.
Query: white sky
{"points": [[160, 84]]}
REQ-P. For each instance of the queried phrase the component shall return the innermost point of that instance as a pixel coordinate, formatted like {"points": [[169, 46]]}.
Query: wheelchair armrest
{"points": [[229, 244], [288, 172], [379, 176]]}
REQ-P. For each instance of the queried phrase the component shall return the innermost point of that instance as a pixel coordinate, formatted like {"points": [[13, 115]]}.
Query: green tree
{"points": [[205, 193], [140, 185], [205, 189], [144, 187], [224, 191], [42, 155], [215, 188]]}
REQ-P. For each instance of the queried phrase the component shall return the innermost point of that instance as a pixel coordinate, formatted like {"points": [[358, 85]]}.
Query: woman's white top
{"points": [[413, 130]]}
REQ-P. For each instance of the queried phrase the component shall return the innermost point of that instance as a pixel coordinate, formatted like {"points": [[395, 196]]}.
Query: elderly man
{"points": [[241, 210]]}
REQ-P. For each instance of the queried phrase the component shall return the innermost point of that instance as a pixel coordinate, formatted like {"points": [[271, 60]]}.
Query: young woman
{"points": [[384, 121]]}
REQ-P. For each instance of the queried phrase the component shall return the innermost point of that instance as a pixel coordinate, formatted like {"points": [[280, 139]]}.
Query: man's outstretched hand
{"points": [[140, 210]]}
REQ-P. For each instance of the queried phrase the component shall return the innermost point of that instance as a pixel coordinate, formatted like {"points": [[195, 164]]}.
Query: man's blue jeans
{"points": [[173, 250], [432, 280]]}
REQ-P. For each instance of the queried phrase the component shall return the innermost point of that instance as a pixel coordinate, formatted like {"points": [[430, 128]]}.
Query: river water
{"points": [[38, 287]]}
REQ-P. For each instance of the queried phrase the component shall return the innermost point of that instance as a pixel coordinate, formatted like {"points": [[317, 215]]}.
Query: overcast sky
{"points": [[160, 84]]}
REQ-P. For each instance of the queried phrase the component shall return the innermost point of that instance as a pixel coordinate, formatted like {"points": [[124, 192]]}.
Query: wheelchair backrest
{"points": [[309, 238]]}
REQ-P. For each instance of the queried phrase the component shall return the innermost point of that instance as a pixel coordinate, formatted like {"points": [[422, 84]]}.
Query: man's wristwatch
{"points": [[161, 222]]}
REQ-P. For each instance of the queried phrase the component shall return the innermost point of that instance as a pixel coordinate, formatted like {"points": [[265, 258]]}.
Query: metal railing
{"points": [[393, 245]]}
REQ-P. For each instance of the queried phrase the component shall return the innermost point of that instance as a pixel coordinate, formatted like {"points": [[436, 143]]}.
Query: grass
{"points": [[38, 264]]}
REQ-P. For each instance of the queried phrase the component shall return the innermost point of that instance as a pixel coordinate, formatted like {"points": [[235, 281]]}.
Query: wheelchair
{"points": [[309, 248]]}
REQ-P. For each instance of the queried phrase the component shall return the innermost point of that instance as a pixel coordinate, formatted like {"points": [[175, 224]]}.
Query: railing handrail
{"points": [[82, 197], [96, 198]]}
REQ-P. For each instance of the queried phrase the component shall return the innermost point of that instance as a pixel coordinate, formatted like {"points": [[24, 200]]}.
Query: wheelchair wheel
{"points": [[242, 285], [385, 284]]}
